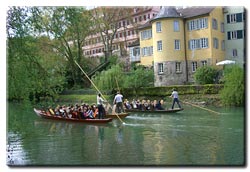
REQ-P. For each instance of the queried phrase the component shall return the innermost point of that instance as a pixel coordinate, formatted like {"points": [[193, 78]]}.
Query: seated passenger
{"points": [[89, 113], [133, 103], [158, 106], [127, 104]]}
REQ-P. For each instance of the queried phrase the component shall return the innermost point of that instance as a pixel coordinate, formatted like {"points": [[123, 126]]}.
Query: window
{"points": [[223, 45], [136, 51], [148, 16], [147, 51], [214, 24], [215, 43], [160, 68], [204, 63], [237, 34], [127, 22], [158, 26], [159, 45], [178, 67], [198, 43], [233, 18], [146, 34], [222, 29], [204, 42], [177, 44], [151, 50], [235, 54], [123, 23], [203, 23], [176, 26], [194, 66], [197, 24]]}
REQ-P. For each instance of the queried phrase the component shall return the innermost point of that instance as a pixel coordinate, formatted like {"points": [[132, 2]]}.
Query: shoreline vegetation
{"points": [[202, 95], [197, 99]]}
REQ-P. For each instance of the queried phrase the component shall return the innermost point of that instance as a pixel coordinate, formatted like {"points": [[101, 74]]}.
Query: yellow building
{"points": [[181, 41]]}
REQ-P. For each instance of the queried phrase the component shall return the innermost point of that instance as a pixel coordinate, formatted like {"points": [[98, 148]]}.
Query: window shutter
{"points": [[229, 35], [239, 34], [228, 18], [239, 17]]}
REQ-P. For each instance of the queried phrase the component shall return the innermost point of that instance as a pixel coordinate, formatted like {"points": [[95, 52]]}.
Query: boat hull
{"points": [[155, 111], [43, 115]]}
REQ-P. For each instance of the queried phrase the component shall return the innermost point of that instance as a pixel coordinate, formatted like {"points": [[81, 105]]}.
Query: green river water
{"points": [[193, 137]]}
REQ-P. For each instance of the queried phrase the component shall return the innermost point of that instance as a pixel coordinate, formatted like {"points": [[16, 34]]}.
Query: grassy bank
{"points": [[73, 98], [199, 99]]}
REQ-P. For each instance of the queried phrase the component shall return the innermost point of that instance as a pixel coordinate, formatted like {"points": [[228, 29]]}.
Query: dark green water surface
{"points": [[192, 137]]}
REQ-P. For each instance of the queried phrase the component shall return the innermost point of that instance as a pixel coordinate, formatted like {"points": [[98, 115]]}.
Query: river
{"points": [[193, 137]]}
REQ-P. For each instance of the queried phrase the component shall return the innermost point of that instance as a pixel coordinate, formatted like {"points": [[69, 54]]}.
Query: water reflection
{"points": [[188, 138], [15, 152]]}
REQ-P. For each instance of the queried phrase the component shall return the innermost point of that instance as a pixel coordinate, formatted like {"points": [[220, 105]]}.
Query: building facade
{"points": [[183, 40], [234, 18], [126, 35]]}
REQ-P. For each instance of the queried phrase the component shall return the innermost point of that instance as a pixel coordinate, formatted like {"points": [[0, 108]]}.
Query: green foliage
{"points": [[42, 45], [205, 75], [116, 79], [108, 80], [234, 87], [32, 73], [139, 77], [167, 90]]}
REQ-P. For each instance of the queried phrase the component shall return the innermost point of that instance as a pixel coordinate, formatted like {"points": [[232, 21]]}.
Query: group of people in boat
{"points": [[144, 104], [83, 111], [93, 111], [151, 105]]}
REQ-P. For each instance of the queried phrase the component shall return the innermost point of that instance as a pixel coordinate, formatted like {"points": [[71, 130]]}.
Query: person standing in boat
{"points": [[175, 97], [101, 110], [119, 103]]}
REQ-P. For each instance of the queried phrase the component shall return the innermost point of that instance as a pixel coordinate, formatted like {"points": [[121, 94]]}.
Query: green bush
{"points": [[205, 75], [139, 77], [114, 78], [234, 87]]}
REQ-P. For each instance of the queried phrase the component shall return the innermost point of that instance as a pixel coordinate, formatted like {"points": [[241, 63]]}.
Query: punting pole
{"points": [[201, 107], [98, 90]]}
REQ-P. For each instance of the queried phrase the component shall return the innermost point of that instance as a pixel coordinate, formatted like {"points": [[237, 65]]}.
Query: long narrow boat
{"points": [[155, 111], [44, 115]]}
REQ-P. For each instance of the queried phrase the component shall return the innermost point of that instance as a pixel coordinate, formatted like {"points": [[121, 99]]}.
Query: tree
{"points": [[68, 28], [108, 80], [31, 73], [139, 77], [205, 75], [233, 93], [107, 23], [116, 79]]}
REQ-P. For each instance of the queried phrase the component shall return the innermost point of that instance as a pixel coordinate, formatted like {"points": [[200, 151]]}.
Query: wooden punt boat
{"points": [[155, 111], [114, 116], [44, 115]]}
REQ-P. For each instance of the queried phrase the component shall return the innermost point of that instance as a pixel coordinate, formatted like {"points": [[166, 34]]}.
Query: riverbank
{"points": [[196, 94], [198, 99]]}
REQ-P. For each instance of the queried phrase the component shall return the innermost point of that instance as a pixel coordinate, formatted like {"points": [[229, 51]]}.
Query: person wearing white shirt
{"points": [[175, 97], [101, 110], [118, 102]]}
